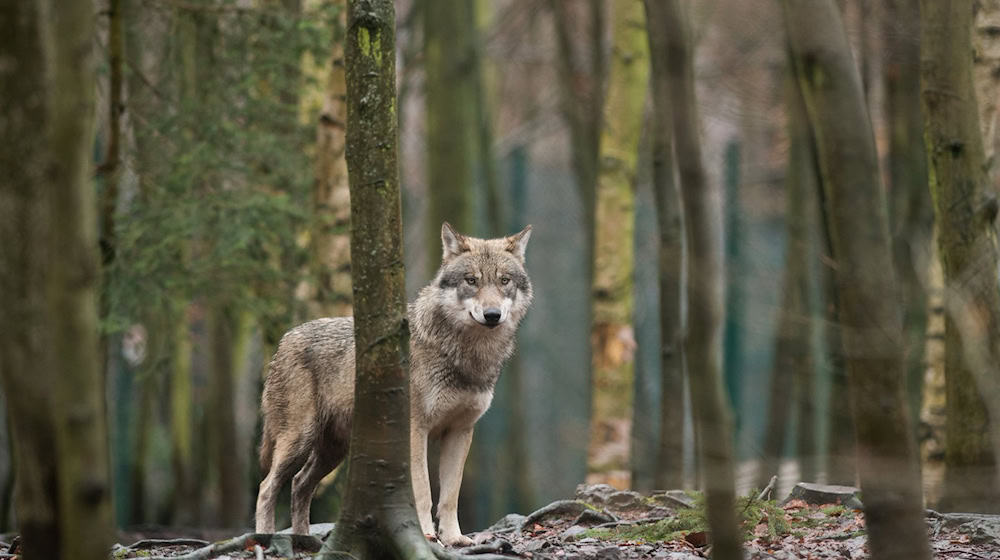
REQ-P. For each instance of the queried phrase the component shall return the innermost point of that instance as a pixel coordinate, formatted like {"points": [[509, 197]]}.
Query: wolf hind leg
{"points": [[284, 461], [319, 464]]}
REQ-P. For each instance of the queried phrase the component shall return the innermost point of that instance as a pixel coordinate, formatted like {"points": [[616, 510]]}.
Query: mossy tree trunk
{"points": [[912, 218], [451, 68], [612, 339], [703, 348], [49, 331], [871, 333], [669, 216], [378, 518], [965, 207], [330, 236]]}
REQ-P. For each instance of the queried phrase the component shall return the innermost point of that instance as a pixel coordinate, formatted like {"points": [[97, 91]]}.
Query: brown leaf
{"points": [[697, 539]]}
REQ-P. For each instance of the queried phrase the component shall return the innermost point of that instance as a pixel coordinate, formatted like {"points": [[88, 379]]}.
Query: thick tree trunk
{"points": [[704, 289], [612, 339], [912, 218], [378, 518], [331, 239], [224, 327], [48, 331], [869, 306], [670, 447], [452, 71], [965, 207]]}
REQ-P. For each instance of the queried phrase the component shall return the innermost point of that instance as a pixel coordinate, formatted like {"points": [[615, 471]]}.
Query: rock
{"points": [[609, 553], [536, 545], [626, 499], [591, 517], [573, 532], [509, 521], [596, 494], [819, 494], [673, 499], [981, 528]]}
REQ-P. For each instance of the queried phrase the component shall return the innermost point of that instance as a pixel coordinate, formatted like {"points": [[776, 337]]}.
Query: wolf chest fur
{"points": [[462, 329]]}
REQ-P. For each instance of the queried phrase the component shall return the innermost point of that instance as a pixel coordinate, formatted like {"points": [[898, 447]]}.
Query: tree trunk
{"points": [[792, 354], [331, 239], [869, 306], [733, 367], [965, 207], [451, 74], [378, 518], [48, 331], [229, 459], [612, 339], [669, 471], [912, 217], [704, 288]]}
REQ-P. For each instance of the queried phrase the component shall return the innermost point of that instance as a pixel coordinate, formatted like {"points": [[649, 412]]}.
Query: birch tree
{"points": [[612, 339], [965, 208]]}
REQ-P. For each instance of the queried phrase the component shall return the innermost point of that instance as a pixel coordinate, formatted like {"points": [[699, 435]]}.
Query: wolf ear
{"points": [[518, 242], [452, 242]]}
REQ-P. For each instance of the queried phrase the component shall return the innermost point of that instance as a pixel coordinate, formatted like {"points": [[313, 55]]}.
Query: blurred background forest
{"points": [[224, 222]]}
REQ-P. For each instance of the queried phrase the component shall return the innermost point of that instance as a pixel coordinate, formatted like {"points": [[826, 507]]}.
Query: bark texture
{"points": [[867, 294], [331, 240], [378, 518], [704, 291], [452, 71], [911, 214], [612, 337], [793, 367], [48, 331], [669, 216], [965, 208]]}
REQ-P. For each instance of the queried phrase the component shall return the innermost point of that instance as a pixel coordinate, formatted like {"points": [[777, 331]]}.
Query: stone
{"points": [[596, 494], [609, 553], [673, 499], [591, 517], [509, 521], [573, 532], [819, 494], [625, 499]]}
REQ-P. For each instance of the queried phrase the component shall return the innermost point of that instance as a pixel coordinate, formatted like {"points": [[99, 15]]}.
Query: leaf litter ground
{"points": [[605, 524]]}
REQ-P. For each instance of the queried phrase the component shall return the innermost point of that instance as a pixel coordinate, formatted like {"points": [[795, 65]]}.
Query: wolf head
{"points": [[483, 281]]}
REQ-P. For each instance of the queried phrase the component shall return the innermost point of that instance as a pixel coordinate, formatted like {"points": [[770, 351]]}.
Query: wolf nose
{"points": [[492, 315]]}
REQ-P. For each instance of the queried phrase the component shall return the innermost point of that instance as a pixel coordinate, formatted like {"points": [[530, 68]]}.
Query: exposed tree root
{"points": [[250, 540], [560, 507]]}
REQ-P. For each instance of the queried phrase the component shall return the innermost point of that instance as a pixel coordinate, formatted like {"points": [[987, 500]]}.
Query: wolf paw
{"points": [[455, 540]]}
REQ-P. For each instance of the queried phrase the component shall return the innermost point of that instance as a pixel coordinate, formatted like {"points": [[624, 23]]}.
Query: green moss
{"points": [[834, 510], [364, 41]]}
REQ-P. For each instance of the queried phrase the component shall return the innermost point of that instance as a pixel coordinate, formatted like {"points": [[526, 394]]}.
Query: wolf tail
{"points": [[266, 450]]}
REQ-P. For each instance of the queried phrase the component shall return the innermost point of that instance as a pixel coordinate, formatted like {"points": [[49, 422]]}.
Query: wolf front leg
{"points": [[420, 479], [454, 449]]}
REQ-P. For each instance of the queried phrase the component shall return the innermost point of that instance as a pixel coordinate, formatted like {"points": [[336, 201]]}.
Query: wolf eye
{"points": [[505, 280], [470, 280]]}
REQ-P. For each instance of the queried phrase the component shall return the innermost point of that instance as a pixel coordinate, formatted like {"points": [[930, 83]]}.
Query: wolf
{"points": [[462, 329]]}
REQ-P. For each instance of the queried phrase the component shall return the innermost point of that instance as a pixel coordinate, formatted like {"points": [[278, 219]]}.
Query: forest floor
{"points": [[604, 524]]}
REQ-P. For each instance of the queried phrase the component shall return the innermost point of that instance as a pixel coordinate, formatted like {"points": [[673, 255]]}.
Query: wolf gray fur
{"points": [[462, 329]]}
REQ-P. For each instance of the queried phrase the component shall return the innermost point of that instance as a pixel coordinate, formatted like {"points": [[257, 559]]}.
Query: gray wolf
{"points": [[462, 329]]}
